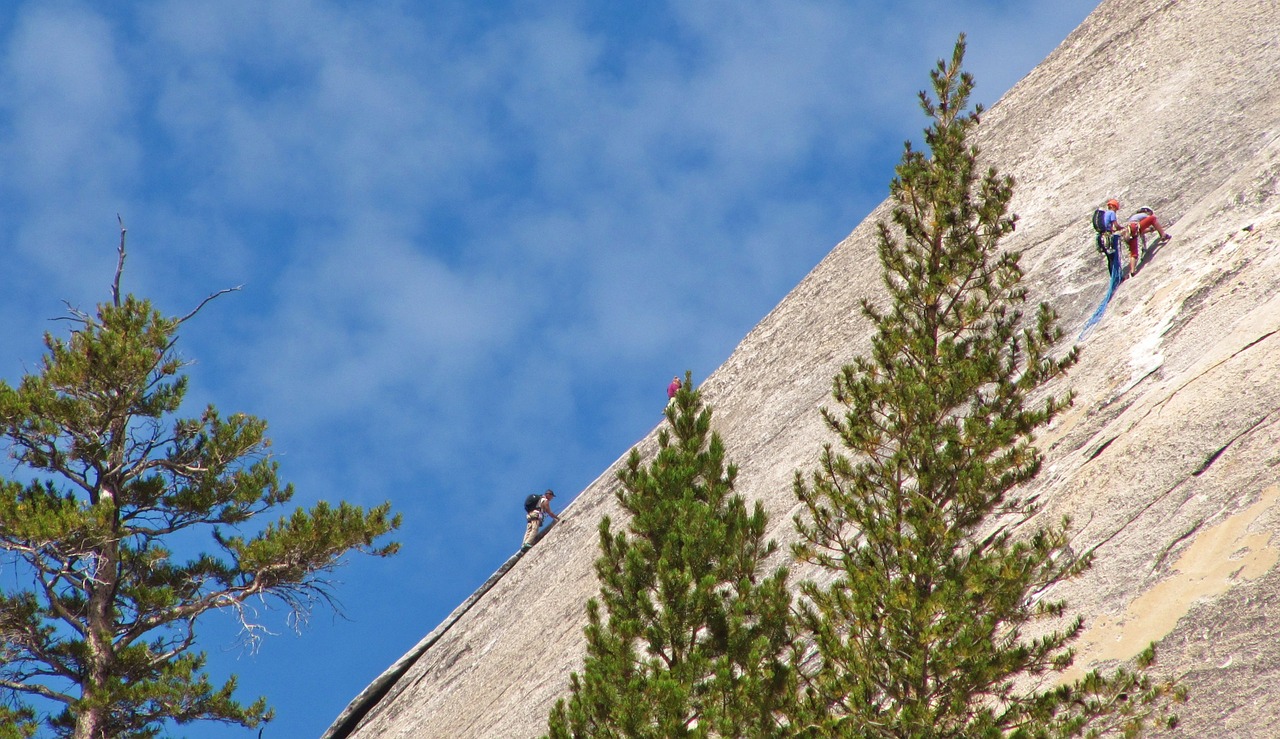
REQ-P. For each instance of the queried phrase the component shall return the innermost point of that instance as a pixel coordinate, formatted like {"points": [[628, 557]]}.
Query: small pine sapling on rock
{"points": [[688, 637]]}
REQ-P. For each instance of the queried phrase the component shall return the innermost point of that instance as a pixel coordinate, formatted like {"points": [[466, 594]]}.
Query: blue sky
{"points": [[475, 239]]}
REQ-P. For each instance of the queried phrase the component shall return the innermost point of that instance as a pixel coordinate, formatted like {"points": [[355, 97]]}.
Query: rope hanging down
{"points": [[1102, 307]]}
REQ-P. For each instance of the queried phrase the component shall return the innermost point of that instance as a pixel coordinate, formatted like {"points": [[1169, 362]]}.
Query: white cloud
{"points": [[63, 153], [420, 202], [66, 95]]}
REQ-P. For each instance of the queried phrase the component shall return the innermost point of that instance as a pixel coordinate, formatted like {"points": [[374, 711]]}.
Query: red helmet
{"points": [[1113, 204]]}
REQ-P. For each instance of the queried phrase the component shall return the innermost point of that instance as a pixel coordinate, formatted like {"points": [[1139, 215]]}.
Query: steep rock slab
{"points": [[1169, 461]]}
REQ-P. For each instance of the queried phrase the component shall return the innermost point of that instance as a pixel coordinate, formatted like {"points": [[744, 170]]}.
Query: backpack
{"points": [[531, 502], [1099, 220], [1105, 242]]}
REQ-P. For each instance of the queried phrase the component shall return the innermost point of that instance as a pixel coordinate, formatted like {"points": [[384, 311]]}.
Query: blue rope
{"points": [[1111, 290]]}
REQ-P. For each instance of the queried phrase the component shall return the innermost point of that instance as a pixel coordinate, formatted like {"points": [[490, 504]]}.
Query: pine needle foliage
{"points": [[17, 723], [122, 524], [933, 618], [688, 637]]}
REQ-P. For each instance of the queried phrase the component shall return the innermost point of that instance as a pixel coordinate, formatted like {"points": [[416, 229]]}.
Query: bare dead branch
{"points": [[80, 316], [115, 285], [204, 302], [77, 315]]}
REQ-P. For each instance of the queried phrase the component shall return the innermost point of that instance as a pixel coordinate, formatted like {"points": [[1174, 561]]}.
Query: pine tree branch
{"points": [[202, 304], [36, 689]]}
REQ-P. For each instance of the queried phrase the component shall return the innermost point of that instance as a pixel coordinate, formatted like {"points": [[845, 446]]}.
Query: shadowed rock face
{"points": [[1169, 462]]}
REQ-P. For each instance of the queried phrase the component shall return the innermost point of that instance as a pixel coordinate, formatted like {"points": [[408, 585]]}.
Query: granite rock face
{"points": [[1169, 461]]}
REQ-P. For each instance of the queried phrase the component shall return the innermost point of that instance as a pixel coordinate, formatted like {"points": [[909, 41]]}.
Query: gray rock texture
{"points": [[1169, 462]]}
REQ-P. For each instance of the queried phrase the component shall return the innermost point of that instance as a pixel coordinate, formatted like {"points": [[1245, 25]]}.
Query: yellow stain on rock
{"points": [[1218, 559]]}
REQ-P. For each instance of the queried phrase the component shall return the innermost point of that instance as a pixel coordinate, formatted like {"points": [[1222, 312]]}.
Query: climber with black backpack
{"points": [[1106, 225], [535, 506]]}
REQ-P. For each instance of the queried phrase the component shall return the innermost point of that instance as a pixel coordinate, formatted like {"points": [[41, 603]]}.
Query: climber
{"points": [[1139, 223], [673, 388], [1106, 223], [535, 506]]}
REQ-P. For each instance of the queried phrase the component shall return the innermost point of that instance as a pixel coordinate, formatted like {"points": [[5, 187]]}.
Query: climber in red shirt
{"points": [[1139, 223]]}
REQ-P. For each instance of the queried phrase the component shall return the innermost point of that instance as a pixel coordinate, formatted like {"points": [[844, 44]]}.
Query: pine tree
{"points": [[932, 619], [128, 524], [688, 638]]}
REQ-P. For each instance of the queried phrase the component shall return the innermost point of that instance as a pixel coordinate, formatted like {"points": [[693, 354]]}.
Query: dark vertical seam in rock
{"points": [[1214, 457], [1181, 538], [1207, 370], [1175, 486], [1101, 449]]}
